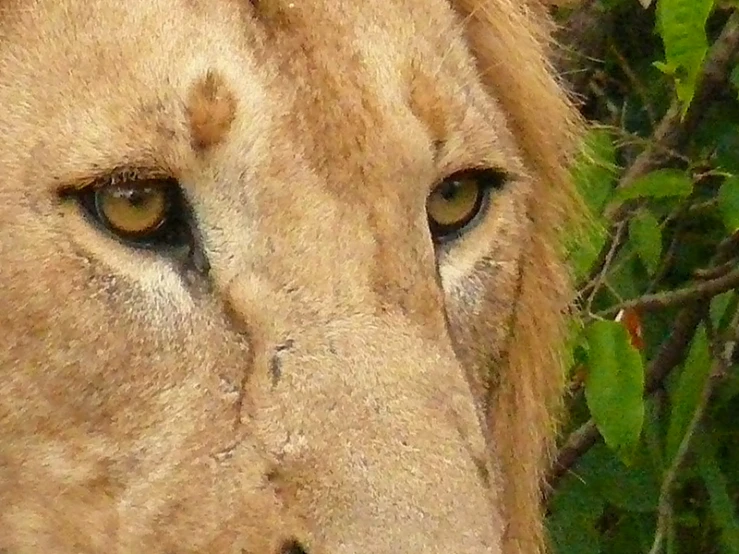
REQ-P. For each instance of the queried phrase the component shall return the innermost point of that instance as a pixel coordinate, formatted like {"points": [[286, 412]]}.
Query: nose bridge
{"points": [[388, 431], [373, 428]]}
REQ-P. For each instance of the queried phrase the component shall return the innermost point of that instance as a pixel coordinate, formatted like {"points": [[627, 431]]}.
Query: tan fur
{"points": [[328, 376]]}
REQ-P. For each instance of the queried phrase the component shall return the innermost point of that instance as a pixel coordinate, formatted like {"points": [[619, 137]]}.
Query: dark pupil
{"points": [[136, 197], [450, 189]]}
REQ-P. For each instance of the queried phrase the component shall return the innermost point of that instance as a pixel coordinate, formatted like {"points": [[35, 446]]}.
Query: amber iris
{"points": [[453, 204], [132, 211]]}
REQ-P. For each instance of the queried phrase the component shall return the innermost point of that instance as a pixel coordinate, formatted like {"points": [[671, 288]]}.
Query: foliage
{"points": [[649, 460]]}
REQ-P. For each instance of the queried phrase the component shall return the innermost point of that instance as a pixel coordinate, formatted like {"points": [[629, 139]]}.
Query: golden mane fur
{"points": [[524, 405], [304, 369]]}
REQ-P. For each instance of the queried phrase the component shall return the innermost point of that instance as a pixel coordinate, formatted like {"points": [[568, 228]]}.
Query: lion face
{"points": [[255, 260]]}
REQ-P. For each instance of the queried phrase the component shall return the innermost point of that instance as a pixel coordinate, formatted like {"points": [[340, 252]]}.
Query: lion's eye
{"points": [[143, 213], [455, 203], [132, 211]]}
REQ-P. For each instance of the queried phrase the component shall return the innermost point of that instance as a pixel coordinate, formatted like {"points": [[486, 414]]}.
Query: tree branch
{"points": [[722, 353], [669, 135], [660, 300]]}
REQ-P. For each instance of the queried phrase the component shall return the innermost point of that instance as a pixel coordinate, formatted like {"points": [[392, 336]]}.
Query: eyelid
{"points": [[453, 159], [131, 176], [494, 177]]}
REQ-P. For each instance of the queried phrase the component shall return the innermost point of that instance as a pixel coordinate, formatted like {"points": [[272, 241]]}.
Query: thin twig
{"points": [[674, 129], [728, 247], [714, 272], [722, 354], [634, 80], [672, 352], [577, 444], [668, 259], [660, 300], [602, 265], [628, 138], [664, 506]]}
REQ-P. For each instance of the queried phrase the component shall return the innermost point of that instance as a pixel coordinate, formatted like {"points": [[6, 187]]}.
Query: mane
{"points": [[511, 41]]}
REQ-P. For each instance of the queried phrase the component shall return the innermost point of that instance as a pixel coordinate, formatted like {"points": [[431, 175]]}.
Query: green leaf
{"points": [[687, 392], [724, 140], [576, 507], [594, 170], [594, 174], [728, 390], [645, 233], [681, 23], [658, 184], [634, 488], [728, 203], [734, 77], [720, 502], [570, 535], [625, 276], [584, 249], [723, 307], [575, 512], [632, 532], [614, 385], [652, 432]]}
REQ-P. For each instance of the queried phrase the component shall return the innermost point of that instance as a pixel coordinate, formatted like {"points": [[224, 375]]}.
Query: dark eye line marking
{"points": [[188, 256]]}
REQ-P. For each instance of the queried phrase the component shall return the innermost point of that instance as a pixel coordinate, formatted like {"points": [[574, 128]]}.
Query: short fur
{"points": [[323, 375]]}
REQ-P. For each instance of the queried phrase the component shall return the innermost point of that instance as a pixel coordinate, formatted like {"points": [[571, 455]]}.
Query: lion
{"points": [[279, 277]]}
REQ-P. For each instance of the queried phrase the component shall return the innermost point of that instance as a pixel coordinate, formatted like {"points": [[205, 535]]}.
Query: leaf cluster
{"points": [[649, 461]]}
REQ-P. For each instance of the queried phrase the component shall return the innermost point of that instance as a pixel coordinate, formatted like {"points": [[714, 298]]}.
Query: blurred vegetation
{"points": [[649, 458]]}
